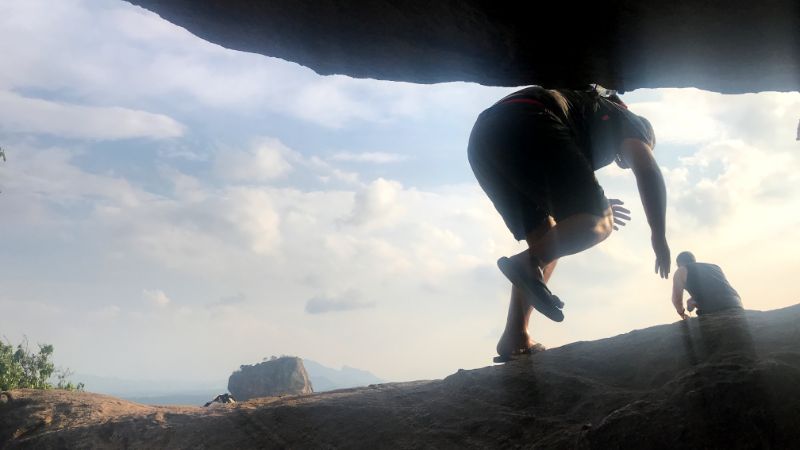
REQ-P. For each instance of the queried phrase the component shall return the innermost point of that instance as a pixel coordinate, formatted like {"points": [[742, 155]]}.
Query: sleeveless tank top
{"points": [[710, 289]]}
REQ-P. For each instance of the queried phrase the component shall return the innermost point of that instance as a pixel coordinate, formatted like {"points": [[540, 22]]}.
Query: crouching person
{"points": [[709, 289]]}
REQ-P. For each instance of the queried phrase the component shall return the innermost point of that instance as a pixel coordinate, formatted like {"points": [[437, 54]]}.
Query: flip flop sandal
{"points": [[537, 293], [535, 348]]}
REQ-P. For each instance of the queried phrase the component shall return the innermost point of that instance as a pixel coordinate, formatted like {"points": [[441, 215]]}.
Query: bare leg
{"points": [[547, 270], [572, 235], [546, 244], [515, 336]]}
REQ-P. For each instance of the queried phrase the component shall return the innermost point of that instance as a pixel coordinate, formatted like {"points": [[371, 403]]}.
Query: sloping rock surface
{"points": [[281, 376], [724, 382], [727, 46]]}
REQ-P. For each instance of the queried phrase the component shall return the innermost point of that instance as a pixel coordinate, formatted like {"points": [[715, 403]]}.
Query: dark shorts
{"points": [[724, 309], [528, 163]]}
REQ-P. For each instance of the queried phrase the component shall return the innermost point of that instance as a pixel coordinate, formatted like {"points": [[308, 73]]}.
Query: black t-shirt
{"points": [[599, 124]]}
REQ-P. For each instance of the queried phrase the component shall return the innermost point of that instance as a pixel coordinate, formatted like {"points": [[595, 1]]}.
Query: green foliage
{"points": [[63, 382], [22, 368]]}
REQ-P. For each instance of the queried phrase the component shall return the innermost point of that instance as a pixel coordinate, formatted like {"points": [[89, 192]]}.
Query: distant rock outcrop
{"points": [[327, 379], [717, 382], [278, 376]]}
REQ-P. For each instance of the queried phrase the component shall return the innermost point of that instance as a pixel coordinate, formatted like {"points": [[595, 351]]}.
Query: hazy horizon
{"points": [[165, 391], [173, 208]]}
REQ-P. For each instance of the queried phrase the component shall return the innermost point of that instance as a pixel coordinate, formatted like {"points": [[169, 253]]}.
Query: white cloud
{"points": [[105, 314], [327, 172], [349, 301], [330, 101], [48, 176], [695, 117], [681, 116], [185, 187], [156, 297], [144, 59], [369, 157], [252, 212], [229, 301], [726, 178], [266, 160], [376, 204], [421, 254], [19, 114]]}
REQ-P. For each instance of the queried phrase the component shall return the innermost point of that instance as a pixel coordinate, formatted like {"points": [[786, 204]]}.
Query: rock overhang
{"points": [[730, 46]]}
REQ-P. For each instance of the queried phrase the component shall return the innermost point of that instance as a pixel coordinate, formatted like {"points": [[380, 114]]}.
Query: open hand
{"points": [[620, 213], [661, 249]]}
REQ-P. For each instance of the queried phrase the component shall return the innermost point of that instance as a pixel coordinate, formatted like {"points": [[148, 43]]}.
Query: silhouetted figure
{"points": [[534, 153], [709, 289]]}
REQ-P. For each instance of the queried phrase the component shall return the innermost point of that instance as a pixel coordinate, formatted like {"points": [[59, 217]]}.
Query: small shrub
{"points": [[22, 368]]}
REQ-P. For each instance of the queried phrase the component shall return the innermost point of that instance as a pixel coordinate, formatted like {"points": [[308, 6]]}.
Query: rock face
{"points": [[717, 382], [725, 46], [281, 376]]}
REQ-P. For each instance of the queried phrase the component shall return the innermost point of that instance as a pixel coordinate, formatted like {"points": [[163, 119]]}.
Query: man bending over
{"points": [[709, 289], [534, 153]]}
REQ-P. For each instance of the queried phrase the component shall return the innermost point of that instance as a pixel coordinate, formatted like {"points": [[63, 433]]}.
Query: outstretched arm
{"points": [[678, 285], [639, 157]]}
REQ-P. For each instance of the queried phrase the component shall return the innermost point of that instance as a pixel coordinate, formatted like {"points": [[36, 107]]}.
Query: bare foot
{"points": [[516, 343]]}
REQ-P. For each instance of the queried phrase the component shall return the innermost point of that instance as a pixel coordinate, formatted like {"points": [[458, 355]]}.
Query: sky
{"points": [[174, 209]]}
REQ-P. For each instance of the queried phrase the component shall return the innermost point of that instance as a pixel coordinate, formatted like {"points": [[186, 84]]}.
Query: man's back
{"points": [[710, 289], [598, 124]]}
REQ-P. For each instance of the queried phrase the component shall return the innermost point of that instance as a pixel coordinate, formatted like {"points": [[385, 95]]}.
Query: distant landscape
{"points": [[196, 393]]}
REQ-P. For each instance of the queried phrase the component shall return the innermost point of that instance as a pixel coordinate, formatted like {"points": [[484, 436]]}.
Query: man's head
{"points": [[685, 258]]}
